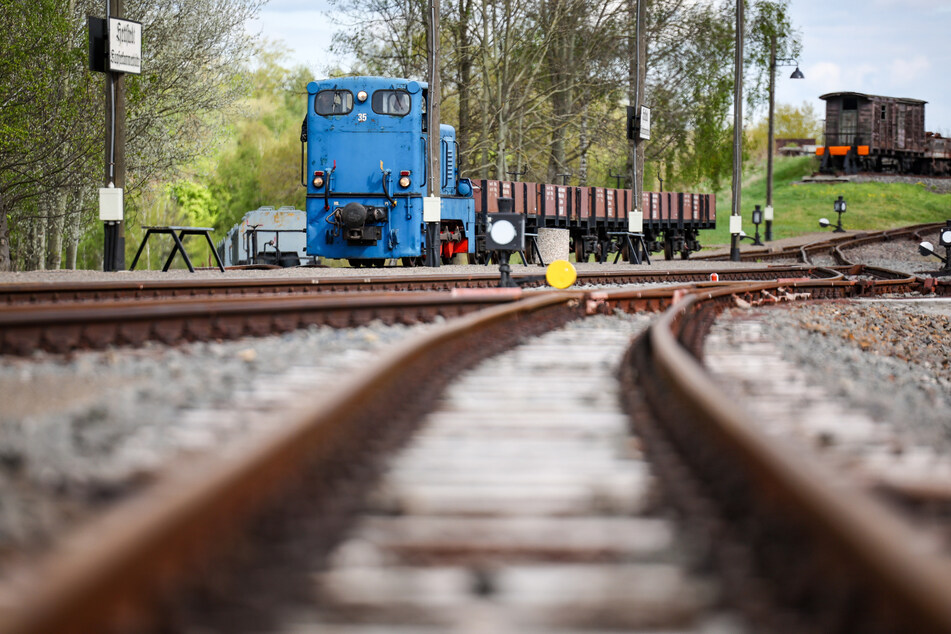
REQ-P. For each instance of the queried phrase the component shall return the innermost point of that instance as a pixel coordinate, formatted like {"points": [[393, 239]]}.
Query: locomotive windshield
{"points": [[393, 102], [330, 102]]}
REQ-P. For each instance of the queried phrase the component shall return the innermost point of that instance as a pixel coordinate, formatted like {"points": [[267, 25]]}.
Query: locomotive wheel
{"points": [[412, 261], [355, 263], [377, 263]]}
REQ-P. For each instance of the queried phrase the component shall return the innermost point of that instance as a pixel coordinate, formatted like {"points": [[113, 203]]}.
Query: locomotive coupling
{"points": [[353, 215]]}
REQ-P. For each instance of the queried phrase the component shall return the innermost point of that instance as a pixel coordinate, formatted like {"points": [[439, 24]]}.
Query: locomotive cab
{"points": [[366, 170]]}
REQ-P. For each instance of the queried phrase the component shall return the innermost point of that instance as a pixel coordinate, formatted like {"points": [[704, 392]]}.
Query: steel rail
{"points": [[84, 325], [839, 556], [67, 326], [115, 572], [801, 253], [63, 292]]}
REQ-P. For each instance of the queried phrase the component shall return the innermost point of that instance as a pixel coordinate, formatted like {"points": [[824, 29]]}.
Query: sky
{"points": [[897, 48]]}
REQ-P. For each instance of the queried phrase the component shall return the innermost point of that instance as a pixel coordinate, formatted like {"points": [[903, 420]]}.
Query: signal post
{"points": [[115, 48]]}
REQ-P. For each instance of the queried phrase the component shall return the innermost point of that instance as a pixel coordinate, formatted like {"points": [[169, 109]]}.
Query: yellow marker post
{"points": [[560, 274]]}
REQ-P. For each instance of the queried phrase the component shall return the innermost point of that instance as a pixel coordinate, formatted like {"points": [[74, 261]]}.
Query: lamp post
{"points": [[839, 206], [757, 220], [774, 63]]}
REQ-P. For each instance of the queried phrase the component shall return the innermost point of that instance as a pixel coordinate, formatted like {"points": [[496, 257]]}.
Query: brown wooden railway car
{"points": [[876, 133]]}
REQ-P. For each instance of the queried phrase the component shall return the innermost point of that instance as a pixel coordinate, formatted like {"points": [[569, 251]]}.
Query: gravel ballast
{"points": [[81, 431], [891, 359]]}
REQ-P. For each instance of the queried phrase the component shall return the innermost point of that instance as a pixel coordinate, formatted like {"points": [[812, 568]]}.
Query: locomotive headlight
{"points": [[362, 96], [404, 179], [318, 180]]}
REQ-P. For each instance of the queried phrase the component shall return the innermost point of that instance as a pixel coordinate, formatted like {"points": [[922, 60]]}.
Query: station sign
{"points": [[645, 124], [639, 123], [125, 46]]}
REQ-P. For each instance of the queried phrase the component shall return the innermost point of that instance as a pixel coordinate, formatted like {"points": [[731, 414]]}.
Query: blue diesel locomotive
{"points": [[366, 142]]}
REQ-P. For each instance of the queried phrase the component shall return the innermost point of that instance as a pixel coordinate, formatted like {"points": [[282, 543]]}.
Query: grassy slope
{"points": [[798, 207]]}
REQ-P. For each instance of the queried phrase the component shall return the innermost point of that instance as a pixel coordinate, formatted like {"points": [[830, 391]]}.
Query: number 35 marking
{"points": [[361, 117]]}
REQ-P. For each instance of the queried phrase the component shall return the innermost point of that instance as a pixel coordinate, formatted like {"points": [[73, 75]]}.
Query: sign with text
{"points": [[125, 46], [645, 120]]}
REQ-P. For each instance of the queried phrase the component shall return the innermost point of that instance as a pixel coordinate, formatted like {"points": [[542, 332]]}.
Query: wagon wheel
{"points": [[668, 250], [580, 255], [685, 254]]}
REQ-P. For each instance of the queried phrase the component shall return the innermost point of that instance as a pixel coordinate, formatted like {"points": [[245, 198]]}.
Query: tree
{"points": [[43, 138], [790, 122], [538, 85], [260, 162], [50, 135]]}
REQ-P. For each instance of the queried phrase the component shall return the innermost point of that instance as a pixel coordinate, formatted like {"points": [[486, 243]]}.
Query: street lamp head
{"points": [[797, 74]]}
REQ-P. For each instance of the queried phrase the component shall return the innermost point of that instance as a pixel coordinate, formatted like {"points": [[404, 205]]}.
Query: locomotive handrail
{"points": [[327, 186], [386, 178], [303, 151]]}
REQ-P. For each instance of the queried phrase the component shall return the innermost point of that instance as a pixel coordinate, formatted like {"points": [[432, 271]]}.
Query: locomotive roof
{"points": [[833, 95]]}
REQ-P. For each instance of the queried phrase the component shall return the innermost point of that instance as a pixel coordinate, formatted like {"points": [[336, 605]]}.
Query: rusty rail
{"points": [[828, 245], [115, 573], [82, 325], [836, 556], [67, 292], [65, 326]]}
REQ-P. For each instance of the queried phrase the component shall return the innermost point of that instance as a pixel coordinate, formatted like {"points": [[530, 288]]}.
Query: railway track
{"points": [[328, 455], [102, 291], [64, 325], [804, 519], [121, 569], [831, 247]]}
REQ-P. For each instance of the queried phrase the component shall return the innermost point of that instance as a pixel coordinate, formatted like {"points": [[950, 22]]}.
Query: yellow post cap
{"points": [[560, 274]]}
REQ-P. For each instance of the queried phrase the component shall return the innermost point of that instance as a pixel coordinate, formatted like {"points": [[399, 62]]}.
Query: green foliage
{"points": [[196, 203], [51, 122], [260, 163]]}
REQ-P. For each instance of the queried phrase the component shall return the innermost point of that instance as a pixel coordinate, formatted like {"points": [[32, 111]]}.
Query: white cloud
{"points": [[938, 6], [826, 77], [906, 71], [302, 27]]}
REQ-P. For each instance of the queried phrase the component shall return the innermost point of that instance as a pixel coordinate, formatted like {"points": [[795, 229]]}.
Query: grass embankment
{"points": [[798, 206]]}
